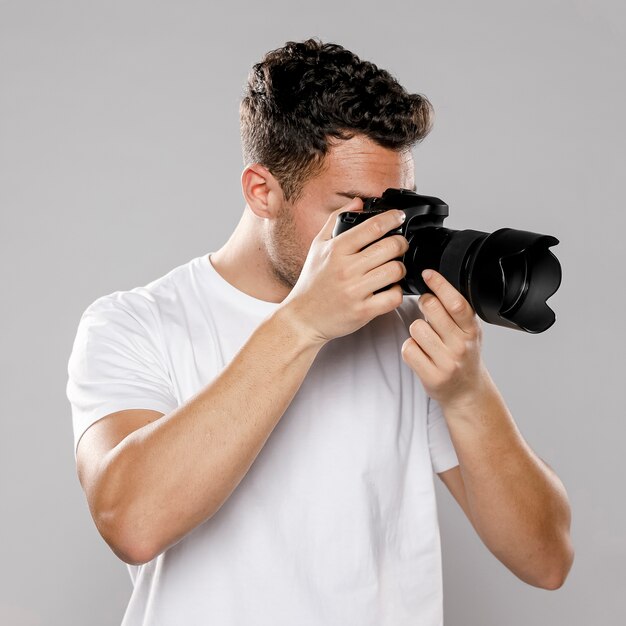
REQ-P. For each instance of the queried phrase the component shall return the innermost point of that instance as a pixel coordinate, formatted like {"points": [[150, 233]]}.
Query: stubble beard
{"points": [[285, 252]]}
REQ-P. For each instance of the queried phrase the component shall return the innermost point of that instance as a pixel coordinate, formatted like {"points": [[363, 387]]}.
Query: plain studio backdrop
{"points": [[120, 159]]}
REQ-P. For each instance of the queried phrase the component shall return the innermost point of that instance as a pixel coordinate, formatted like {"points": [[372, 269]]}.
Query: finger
{"points": [[373, 228], [439, 319], [430, 342], [326, 232], [455, 304], [386, 301], [417, 359], [391, 272], [374, 255]]}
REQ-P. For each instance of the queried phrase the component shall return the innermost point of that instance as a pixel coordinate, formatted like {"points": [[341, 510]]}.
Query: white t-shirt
{"points": [[335, 523]]}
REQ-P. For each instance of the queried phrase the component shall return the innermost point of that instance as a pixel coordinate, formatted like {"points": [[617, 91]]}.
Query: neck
{"points": [[242, 261]]}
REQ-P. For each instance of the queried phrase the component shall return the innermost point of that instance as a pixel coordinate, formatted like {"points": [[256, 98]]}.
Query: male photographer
{"points": [[257, 431]]}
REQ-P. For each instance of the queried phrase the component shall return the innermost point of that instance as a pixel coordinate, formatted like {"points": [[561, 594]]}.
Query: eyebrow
{"points": [[357, 194]]}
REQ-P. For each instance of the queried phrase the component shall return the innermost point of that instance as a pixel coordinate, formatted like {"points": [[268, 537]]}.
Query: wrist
{"points": [[291, 321], [471, 401]]}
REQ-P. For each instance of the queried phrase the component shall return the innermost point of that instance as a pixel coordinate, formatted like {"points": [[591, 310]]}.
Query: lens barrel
{"points": [[506, 276]]}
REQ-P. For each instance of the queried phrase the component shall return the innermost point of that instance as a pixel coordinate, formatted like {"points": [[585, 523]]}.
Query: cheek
{"points": [[310, 226], [308, 220]]}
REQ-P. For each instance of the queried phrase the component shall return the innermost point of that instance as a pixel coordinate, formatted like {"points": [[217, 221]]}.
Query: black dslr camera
{"points": [[506, 276]]}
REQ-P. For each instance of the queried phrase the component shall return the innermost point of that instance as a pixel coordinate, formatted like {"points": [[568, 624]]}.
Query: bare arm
{"points": [[167, 477], [514, 500]]}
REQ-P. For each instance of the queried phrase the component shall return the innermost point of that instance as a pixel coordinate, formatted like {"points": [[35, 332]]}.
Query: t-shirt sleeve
{"points": [[442, 452], [115, 364]]}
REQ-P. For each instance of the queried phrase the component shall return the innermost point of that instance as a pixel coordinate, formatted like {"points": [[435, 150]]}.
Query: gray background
{"points": [[120, 159]]}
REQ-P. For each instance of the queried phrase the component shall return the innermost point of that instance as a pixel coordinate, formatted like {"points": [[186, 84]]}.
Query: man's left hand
{"points": [[444, 349]]}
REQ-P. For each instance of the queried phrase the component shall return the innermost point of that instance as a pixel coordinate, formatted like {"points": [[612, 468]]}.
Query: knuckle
{"points": [[459, 350], [476, 335], [457, 306], [397, 245], [406, 347], [396, 296], [364, 312], [418, 327], [351, 297], [472, 334], [375, 228], [452, 367]]}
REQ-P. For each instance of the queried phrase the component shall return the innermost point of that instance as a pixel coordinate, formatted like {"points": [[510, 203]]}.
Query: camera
{"points": [[506, 276]]}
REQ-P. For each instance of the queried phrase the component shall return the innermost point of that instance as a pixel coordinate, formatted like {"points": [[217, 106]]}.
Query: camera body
{"points": [[422, 212]]}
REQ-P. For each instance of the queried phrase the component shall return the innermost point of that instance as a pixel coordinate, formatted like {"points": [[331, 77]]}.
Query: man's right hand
{"points": [[334, 295]]}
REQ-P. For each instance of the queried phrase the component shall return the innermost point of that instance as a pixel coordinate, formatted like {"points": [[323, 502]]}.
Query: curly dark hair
{"points": [[301, 95]]}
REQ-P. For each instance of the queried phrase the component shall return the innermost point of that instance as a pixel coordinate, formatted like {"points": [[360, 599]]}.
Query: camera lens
{"points": [[506, 276]]}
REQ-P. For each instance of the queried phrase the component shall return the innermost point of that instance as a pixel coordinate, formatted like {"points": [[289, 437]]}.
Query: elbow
{"points": [[555, 581], [118, 523], [547, 569], [560, 571], [124, 535], [128, 546], [132, 555]]}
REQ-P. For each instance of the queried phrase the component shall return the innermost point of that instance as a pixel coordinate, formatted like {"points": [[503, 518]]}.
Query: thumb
{"points": [[326, 233]]}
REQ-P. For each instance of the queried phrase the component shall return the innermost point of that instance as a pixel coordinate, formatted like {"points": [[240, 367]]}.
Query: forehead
{"points": [[362, 160]]}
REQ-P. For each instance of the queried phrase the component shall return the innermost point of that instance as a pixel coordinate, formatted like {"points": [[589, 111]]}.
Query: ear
{"points": [[261, 190]]}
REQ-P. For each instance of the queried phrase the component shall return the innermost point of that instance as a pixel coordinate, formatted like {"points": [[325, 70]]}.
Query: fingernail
{"points": [[401, 216], [426, 274]]}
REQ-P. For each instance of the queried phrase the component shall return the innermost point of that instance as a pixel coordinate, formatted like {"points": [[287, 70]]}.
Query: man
{"points": [[249, 440]]}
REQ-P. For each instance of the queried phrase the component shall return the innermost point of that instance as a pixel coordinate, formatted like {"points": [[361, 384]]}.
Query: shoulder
{"points": [[128, 322], [144, 303]]}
